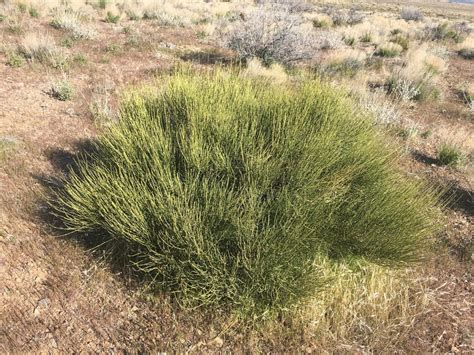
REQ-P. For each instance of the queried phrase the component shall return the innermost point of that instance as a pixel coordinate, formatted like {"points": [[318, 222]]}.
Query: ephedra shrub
{"points": [[230, 192]]}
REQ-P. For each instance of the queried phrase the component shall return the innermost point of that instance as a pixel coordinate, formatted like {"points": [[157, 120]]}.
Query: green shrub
{"points": [[320, 23], [62, 90], [102, 4], [111, 18], [348, 67], [230, 192], [349, 41], [33, 11], [366, 38], [402, 41], [15, 60], [387, 52], [449, 155]]}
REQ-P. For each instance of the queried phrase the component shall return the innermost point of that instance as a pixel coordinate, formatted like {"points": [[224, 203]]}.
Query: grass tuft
{"points": [[232, 192], [449, 155]]}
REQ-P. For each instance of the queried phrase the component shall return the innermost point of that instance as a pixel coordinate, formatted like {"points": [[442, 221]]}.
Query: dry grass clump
{"points": [[73, 22], [367, 307], [345, 62], [235, 193], [416, 79], [40, 47], [275, 72]]}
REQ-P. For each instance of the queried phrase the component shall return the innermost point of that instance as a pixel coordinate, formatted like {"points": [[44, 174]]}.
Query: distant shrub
{"points": [[236, 193], [111, 18], [342, 17], [446, 32], [163, 18], [62, 90], [411, 14], [449, 154], [271, 34], [2, 17]]}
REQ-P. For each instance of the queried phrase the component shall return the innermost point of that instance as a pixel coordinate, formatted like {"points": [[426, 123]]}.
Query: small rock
{"points": [[42, 305]]}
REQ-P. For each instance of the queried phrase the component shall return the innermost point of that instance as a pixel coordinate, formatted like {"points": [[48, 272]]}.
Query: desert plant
{"points": [[388, 50], [366, 38], [111, 18], [229, 191], [62, 90], [449, 154], [402, 41], [411, 14], [15, 60], [72, 22], [270, 34], [320, 23], [349, 41], [40, 47], [33, 11], [348, 67]]}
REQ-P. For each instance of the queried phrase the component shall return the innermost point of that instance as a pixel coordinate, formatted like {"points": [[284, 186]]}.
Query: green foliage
{"points": [[232, 192], [402, 41], [102, 4], [347, 67], [33, 11], [15, 60], [62, 90], [450, 155], [2, 17], [349, 41], [320, 23], [387, 52], [67, 42], [80, 59], [366, 38], [111, 18]]}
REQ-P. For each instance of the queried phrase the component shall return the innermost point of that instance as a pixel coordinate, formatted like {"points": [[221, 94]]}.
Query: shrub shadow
{"points": [[425, 159], [64, 162], [208, 57]]}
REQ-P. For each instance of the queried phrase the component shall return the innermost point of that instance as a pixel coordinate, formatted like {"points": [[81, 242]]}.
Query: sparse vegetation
{"points": [[221, 228]]}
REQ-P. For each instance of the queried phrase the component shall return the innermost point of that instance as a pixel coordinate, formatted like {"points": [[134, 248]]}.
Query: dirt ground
{"points": [[57, 295]]}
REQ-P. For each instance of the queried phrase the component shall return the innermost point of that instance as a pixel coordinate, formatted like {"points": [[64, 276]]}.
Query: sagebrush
{"points": [[231, 192]]}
